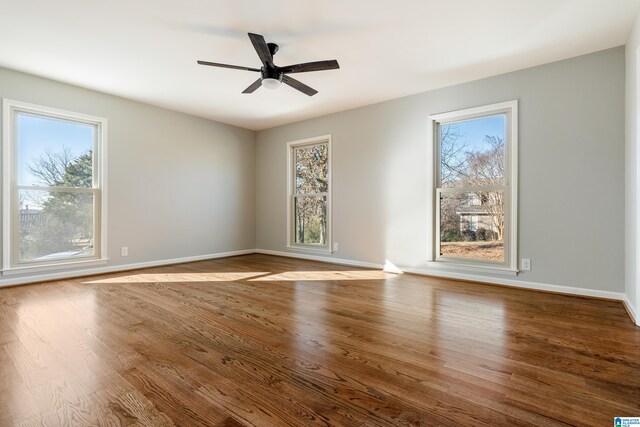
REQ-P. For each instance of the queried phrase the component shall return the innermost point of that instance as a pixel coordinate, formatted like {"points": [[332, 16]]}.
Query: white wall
{"points": [[571, 173], [178, 186], [632, 283]]}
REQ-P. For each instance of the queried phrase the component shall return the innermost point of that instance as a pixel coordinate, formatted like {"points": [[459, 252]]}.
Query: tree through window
{"points": [[473, 185], [55, 187], [310, 194]]}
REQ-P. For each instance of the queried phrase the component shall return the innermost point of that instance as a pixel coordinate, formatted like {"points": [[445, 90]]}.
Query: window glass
{"points": [[55, 153], [469, 230], [55, 225], [312, 167], [472, 152], [311, 220]]}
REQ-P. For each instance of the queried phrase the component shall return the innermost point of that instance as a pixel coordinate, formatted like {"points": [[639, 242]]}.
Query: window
{"points": [[309, 213], [475, 187], [53, 187]]}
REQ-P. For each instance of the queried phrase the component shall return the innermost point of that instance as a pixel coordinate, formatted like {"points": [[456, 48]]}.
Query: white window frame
{"points": [[510, 264], [291, 196], [10, 189]]}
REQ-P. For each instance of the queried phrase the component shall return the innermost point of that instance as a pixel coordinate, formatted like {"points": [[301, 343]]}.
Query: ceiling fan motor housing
{"points": [[273, 48], [271, 73]]}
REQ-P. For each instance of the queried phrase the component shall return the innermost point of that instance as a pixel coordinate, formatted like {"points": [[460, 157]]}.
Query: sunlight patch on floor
{"points": [[325, 275], [180, 277], [390, 267], [266, 276]]}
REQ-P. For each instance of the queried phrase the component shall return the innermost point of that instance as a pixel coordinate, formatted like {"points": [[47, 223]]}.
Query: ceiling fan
{"points": [[272, 75]]}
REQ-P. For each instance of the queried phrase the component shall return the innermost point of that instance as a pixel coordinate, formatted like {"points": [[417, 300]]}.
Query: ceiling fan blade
{"points": [[235, 67], [255, 85], [298, 85], [260, 45], [311, 66]]}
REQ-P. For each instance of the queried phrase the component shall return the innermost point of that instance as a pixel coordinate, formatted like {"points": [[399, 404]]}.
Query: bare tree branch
{"points": [[50, 168]]}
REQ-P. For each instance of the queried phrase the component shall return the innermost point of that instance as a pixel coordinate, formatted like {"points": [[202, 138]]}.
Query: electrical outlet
{"points": [[335, 246], [525, 264], [124, 251]]}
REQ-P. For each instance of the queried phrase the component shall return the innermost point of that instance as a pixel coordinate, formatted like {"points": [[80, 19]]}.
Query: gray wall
{"points": [[631, 172], [178, 186], [181, 186], [571, 172]]}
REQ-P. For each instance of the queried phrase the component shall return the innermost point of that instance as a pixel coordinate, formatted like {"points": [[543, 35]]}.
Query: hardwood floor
{"points": [[269, 341]]}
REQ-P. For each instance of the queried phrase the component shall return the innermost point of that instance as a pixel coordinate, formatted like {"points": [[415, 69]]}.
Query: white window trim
{"points": [[510, 267], [323, 139], [10, 106]]}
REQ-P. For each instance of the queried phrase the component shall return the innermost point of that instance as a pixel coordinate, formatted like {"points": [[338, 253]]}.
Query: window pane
{"points": [[310, 224], [312, 169], [54, 152], [55, 225], [472, 152], [472, 225]]}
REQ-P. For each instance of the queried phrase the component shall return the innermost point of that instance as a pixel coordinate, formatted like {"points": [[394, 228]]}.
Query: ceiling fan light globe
{"points": [[269, 83]]}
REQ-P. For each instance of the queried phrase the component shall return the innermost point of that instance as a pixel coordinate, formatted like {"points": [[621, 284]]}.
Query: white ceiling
{"points": [[147, 49]]}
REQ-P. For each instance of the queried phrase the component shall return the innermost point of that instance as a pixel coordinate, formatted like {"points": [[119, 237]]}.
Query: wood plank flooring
{"points": [[269, 341]]}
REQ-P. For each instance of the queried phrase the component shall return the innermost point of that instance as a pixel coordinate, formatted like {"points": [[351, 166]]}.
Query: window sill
{"points": [[54, 266], [321, 250], [466, 268]]}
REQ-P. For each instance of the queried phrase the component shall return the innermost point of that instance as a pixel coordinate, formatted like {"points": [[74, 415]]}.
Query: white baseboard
{"points": [[561, 289], [116, 268], [631, 310], [569, 290]]}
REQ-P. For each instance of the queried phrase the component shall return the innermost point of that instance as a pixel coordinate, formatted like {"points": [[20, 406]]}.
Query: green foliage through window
{"points": [[58, 220]]}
